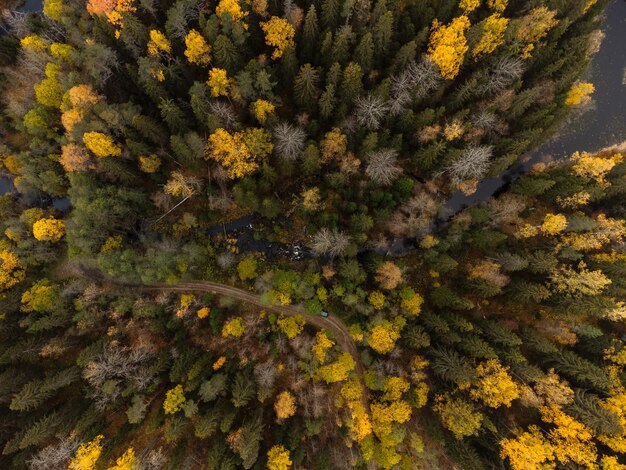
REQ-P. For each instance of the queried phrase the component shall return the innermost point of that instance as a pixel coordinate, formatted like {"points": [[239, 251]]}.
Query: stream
{"points": [[599, 125]]}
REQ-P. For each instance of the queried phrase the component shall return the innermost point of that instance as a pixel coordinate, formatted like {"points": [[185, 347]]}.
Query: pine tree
{"points": [[364, 52], [588, 410], [310, 35], [450, 366], [351, 83], [225, 53], [330, 13], [173, 116], [242, 390], [305, 87]]}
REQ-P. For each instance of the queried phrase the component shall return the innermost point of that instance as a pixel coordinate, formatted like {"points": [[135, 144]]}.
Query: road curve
{"points": [[331, 323]]}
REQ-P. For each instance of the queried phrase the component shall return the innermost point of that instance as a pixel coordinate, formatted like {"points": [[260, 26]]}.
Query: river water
{"points": [[600, 125]]}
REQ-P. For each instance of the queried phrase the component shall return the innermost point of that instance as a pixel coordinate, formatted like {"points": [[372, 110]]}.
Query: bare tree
{"points": [[153, 460], [383, 166], [370, 111], [289, 140], [332, 243], [473, 164], [54, 456], [224, 111], [413, 215], [265, 373], [503, 74], [118, 367], [417, 79]]}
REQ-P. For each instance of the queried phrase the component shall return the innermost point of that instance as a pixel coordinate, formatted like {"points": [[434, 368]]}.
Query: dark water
{"points": [[601, 125]]}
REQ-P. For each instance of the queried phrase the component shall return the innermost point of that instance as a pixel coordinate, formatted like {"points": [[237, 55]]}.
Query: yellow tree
{"points": [[279, 34], [174, 400], [197, 50], [529, 450], [278, 458], [321, 346], [458, 416], [576, 283], [495, 386], [87, 455], [285, 405], [12, 270], [218, 82], [49, 229], [241, 152], [233, 8], [553, 224], [49, 92], [101, 145], [447, 45], [383, 336], [493, 35], [535, 26], [127, 461], [262, 109], [291, 326], [579, 93], [158, 43], [234, 327]]}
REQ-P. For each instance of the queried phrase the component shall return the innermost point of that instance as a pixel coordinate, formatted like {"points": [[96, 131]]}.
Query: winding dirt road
{"points": [[330, 323]]}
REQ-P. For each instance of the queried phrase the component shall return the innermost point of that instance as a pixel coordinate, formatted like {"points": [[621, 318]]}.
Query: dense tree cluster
{"points": [[341, 126]]}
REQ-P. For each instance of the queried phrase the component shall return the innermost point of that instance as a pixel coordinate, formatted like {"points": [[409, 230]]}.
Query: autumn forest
{"points": [[224, 244]]}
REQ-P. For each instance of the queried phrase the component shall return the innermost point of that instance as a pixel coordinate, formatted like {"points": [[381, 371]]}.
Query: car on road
{"points": [[324, 313]]}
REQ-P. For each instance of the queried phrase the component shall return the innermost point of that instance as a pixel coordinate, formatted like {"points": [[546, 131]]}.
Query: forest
{"points": [[196, 248]]}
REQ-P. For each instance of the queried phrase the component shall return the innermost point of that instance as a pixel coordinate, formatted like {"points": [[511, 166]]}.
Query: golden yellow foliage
{"points": [[394, 388], [261, 109], [285, 405], [576, 283], [158, 43], [233, 8], [411, 301], [458, 416], [127, 461], [493, 35], [197, 50], [279, 34], [292, 326], [495, 386], [241, 152], [218, 82], [447, 45], [34, 42], [12, 270], [217, 365], [321, 346], [49, 91], [571, 440], [497, 5], [553, 224], [101, 145], [87, 455], [49, 229], [334, 145], [383, 336], [469, 5], [149, 163], [278, 458], [234, 327], [535, 26], [579, 93], [336, 371], [529, 450], [111, 243], [594, 167], [376, 299], [174, 400]]}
